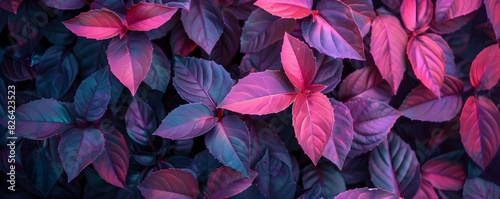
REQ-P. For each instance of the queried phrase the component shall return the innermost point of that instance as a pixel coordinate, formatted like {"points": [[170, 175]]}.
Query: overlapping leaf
{"points": [[112, 164], [298, 62], [416, 14], [295, 9], [329, 71], [326, 176], [203, 23], [147, 16], [481, 188], [96, 24], [362, 11], [225, 182], [169, 183], [451, 9], [366, 193], [340, 142], [365, 83], [444, 174], [158, 76], [140, 121], [484, 71]]}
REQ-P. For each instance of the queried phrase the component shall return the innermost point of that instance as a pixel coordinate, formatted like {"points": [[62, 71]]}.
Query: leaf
{"points": [[416, 14], [366, 193], [484, 71], [186, 122], [117, 7], [147, 16], [480, 129], [493, 7], [140, 121], [17, 70], [130, 58], [427, 61], [184, 163], [365, 83], [263, 29], [274, 177], [225, 182], [96, 24], [340, 142], [422, 104], [372, 122], [229, 142], [340, 36], [394, 167], [444, 174], [93, 95], [42, 118], [201, 81], [180, 42], [262, 60], [206, 163], [296, 9], [273, 94], [388, 45], [91, 54], [326, 176], [169, 183], [298, 62], [203, 23], [229, 43], [451, 9], [159, 73], [426, 190], [65, 4], [112, 164], [78, 148], [363, 14], [451, 68], [10, 5], [480, 188]]}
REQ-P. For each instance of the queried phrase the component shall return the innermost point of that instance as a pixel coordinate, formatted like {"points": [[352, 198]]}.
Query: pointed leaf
{"points": [[274, 177], [444, 174], [492, 9], [140, 121], [65, 4], [360, 193], [481, 188], [169, 183], [96, 24], [362, 11], [10, 5], [484, 71], [416, 14], [203, 23], [298, 62], [147, 16], [58, 68], [365, 83], [326, 175], [329, 71], [112, 164], [93, 95], [229, 43], [295, 9], [225, 182], [158, 76], [340, 142], [451, 9]]}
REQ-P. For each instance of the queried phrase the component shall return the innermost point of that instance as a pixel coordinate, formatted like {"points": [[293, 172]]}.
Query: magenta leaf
{"points": [[451, 9], [225, 182], [340, 36], [329, 71], [203, 23], [492, 9], [484, 71], [186, 122], [296, 9], [480, 188], [169, 183], [158, 76], [394, 167], [201, 81], [388, 45], [416, 14], [65, 4], [96, 24], [112, 164], [93, 95], [298, 62], [427, 61], [10, 5], [78, 148], [372, 121], [422, 104], [263, 29], [130, 58], [146, 16], [312, 121], [327, 176], [273, 94], [480, 129], [444, 174], [362, 11], [229, 142], [360, 193], [426, 190], [140, 121], [340, 142], [365, 83]]}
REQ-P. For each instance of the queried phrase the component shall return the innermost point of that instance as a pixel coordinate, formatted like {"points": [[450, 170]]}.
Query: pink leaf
{"points": [[96, 24], [146, 16], [444, 174], [112, 164], [480, 129], [130, 58], [340, 142], [296, 9], [451, 68], [10, 5], [225, 182], [451, 25], [365, 83], [493, 10], [298, 62], [272, 94], [388, 44], [169, 183], [416, 14], [313, 123], [363, 14], [451, 9], [485, 70], [427, 61], [361, 193], [426, 190]]}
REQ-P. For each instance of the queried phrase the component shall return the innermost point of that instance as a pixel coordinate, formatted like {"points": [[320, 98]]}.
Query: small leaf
{"points": [[203, 23], [484, 71], [360, 193], [93, 95], [295, 9], [444, 174], [416, 14], [225, 182], [158, 76], [96, 24], [365, 83], [492, 8], [65, 4], [451, 9], [112, 164], [326, 175], [140, 121], [147, 16], [298, 62], [340, 142], [481, 188], [169, 183]]}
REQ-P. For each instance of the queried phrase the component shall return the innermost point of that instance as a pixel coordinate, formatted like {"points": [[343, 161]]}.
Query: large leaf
{"points": [[427, 61], [43, 118], [112, 164], [158, 76], [146, 16], [169, 183], [394, 167], [96, 24], [58, 68], [481, 188], [298, 62], [329, 71], [422, 104], [444, 174], [10, 5], [130, 58], [295, 9], [225, 182], [65, 4], [333, 31], [229, 142], [274, 177], [273, 94], [480, 129], [372, 121], [78, 148], [186, 122], [326, 176], [340, 142], [365, 83], [388, 45], [198, 80], [93, 95], [416, 14], [492, 8], [451, 9], [360, 193], [362, 11], [484, 71], [140, 121], [203, 23]]}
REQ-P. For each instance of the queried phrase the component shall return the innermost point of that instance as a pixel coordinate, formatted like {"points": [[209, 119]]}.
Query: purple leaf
{"points": [[201, 81], [112, 164], [326, 175], [147, 16], [115, 6], [229, 142], [365, 83], [416, 14], [158, 76], [10, 5], [492, 9], [480, 188], [295, 9], [130, 58], [274, 177], [372, 121], [17, 70], [394, 167], [298, 62], [93, 95], [262, 60], [340, 142], [91, 54], [58, 68], [422, 104], [169, 183], [444, 174], [229, 43], [180, 42], [360, 193], [225, 182], [186, 122], [263, 29], [426, 190], [96, 24], [451, 9], [329, 71], [206, 163], [140, 121], [362, 11], [392, 4], [203, 23], [484, 71], [451, 68], [78, 148], [340, 36], [65, 4], [480, 129]]}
